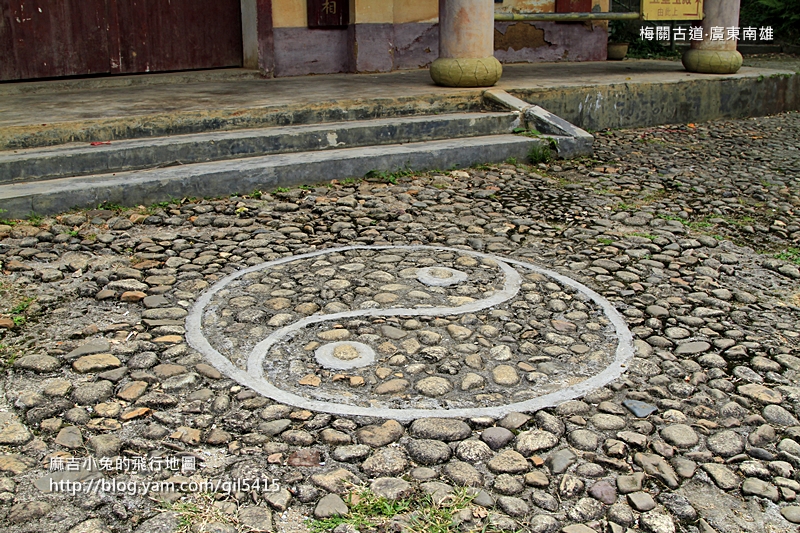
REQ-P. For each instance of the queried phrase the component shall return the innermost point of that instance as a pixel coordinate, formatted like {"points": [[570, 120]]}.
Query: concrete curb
{"points": [[570, 140], [255, 173], [642, 104]]}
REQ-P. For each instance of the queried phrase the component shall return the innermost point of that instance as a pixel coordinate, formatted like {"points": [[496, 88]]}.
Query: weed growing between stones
{"points": [[6, 221], [110, 206], [18, 311], [540, 154], [7, 356], [418, 513], [164, 205], [194, 515], [35, 219], [790, 254], [388, 177], [526, 132]]}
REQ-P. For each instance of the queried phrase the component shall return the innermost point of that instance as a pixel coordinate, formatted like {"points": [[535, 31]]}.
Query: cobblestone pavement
{"points": [[690, 231], [776, 61]]}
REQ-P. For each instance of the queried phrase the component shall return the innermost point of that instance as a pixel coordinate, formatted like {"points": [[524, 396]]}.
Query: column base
{"points": [[466, 71], [712, 61]]}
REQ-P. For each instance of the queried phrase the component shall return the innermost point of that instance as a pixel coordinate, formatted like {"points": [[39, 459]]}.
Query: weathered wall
{"points": [[387, 35], [416, 45], [522, 6], [300, 50], [518, 42]]}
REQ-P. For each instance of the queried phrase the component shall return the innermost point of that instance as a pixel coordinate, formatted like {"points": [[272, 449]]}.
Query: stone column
{"points": [[715, 57], [466, 45]]}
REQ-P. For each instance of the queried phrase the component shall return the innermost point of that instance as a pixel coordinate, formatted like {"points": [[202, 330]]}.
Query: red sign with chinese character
{"points": [[328, 13], [573, 6]]}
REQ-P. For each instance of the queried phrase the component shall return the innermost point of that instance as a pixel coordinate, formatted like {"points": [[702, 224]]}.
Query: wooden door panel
{"points": [[156, 35], [46, 38], [49, 38]]}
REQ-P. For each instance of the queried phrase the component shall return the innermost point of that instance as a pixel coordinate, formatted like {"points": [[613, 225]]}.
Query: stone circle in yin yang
{"points": [[409, 331]]}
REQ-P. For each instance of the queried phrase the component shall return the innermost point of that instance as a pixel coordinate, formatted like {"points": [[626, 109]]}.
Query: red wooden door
{"points": [[51, 38]]}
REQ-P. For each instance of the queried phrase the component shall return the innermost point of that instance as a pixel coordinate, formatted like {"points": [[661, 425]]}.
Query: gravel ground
{"points": [[690, 231]]}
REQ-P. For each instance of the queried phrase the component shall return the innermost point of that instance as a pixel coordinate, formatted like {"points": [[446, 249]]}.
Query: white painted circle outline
{"points": [[194, 336]]}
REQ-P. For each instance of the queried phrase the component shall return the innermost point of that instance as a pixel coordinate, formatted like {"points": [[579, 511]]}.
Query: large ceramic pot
{"points": [[617, 51]]}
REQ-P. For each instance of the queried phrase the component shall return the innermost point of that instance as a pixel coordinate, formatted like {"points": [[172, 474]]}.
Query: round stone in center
{"points": [[440, 276], [344, 355], [345, 352]]}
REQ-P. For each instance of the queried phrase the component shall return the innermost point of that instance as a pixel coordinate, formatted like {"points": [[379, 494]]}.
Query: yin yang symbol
{"points": [[407, 332]]}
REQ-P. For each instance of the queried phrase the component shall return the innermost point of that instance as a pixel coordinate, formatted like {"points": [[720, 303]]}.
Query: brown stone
{"points": [[218, 436], [132, 391], [6, 323], [13, 464], [133, 296], [760, 393], [377, 436], [334, 335], [104, 424], [12, 431], [136, 413], [186, 435], [69, 437], [304, 457], [16, 266], [95, 363], [108, 409], [168, 370], [169, 339], [147, 265], [208, 371], [393, 386], [310, 380]]}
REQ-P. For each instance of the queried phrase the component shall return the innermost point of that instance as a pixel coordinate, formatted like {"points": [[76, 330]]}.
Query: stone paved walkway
{"points": [[690, 231]]}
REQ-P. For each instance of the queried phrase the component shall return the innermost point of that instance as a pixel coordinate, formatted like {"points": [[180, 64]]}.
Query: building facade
{"points": [[41, 39]]}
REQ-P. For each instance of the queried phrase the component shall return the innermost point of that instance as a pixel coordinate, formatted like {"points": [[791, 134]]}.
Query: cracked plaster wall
{"points": [[403, 34]]}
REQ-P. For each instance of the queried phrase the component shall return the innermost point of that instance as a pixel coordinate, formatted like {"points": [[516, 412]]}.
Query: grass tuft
{"points": [[418, 513], [540, 154], [193, 515], [790, 254], [388, 177]]}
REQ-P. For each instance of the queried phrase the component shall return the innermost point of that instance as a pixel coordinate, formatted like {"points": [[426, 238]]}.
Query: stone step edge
{"points": [[570, 140], [120, 156], [185, 122], [242, 176]]}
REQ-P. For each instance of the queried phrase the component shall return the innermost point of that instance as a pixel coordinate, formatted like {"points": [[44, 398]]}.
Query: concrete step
{"points": [[119, 156], [51, 196]]}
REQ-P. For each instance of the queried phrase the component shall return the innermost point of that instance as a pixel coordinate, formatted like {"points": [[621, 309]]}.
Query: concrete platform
{"points": [[590, 95]]}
